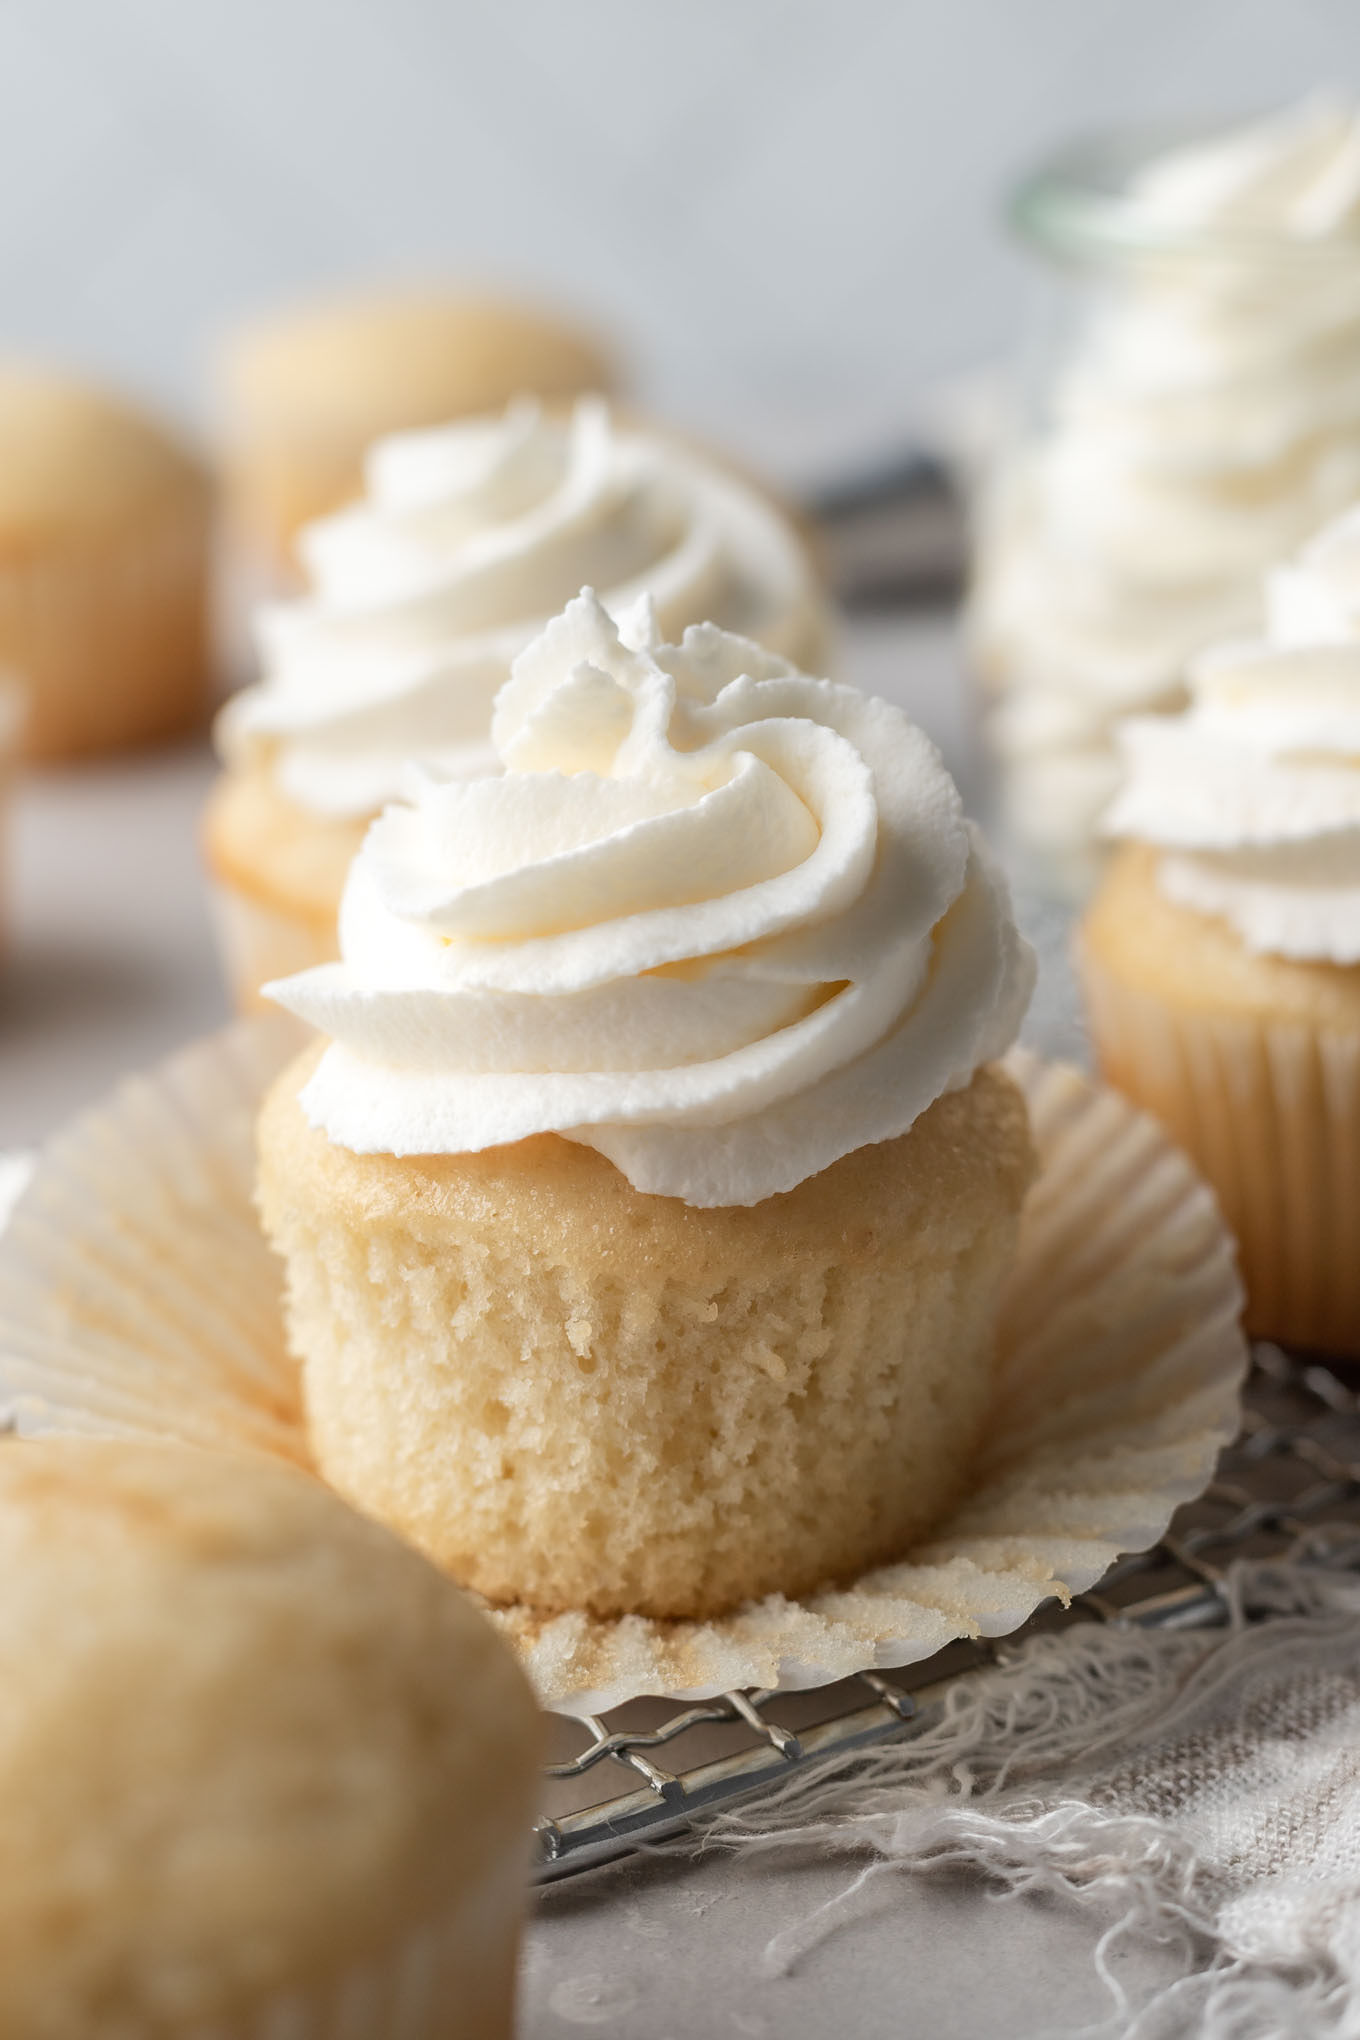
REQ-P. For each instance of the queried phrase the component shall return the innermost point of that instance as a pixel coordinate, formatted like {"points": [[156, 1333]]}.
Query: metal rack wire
{"points": [[1289, 1486]]}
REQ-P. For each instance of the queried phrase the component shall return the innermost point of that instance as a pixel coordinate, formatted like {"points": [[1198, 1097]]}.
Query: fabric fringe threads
{"points": [[137, 1296], [1064, 1772]]}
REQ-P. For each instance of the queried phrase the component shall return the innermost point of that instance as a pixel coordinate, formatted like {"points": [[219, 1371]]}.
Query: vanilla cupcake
{"points": [[307, 391], [469, 538], [104, 529], [264, 1770], [645, 1217], [1221, 959]]}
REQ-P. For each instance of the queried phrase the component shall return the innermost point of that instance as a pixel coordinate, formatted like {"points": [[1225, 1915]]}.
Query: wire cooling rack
{"points": [[1289, 1487]]}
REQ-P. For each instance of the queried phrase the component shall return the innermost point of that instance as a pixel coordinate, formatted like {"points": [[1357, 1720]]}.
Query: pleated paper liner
{"points": [[1270, 1110], [137, 1296]]}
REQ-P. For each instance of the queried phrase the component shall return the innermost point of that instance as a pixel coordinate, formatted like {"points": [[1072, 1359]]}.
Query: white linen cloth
{"points": [[1207, 1782]]}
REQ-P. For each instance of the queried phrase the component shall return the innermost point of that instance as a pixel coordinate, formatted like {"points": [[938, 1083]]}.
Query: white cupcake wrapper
{"points": [[137, 1296]]}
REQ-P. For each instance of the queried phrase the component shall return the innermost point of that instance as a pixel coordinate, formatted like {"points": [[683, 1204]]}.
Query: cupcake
{"points": [[1205, 421], [306, 392], [104, 528], [264, 1769], [644, 1216], [1221, 958], [469, 538]]}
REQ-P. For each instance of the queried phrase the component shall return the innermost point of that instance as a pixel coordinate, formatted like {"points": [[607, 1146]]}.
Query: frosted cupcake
{"points": [[469, 538], [264, 1770], [644, 1219], [1221, 958], [104, 529], [1207, 420], [306, 392]]}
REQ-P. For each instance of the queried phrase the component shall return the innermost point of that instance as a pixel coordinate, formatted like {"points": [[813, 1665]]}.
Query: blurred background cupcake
{"points": [[305, 392], [1221, 956], [104, 531], [1197, 414], [467, 539]]}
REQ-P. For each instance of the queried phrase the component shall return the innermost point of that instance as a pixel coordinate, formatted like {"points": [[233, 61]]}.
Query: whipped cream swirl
{"points": [[1254, 793], [1207, 421], [468, 539], [719, 920]]}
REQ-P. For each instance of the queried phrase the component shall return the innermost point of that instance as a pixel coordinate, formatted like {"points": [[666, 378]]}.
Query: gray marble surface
{"points": [[681, 1949]]}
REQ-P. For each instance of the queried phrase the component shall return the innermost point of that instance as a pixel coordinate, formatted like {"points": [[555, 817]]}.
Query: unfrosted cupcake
{"points": [[468, 539], [104, 528], [307, 391], [1221, 958], [645, 1217], [1205, 422], [264, 1770]]}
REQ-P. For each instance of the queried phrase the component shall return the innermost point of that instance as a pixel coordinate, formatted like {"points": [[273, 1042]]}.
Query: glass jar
{"points": [[1189, 413]]}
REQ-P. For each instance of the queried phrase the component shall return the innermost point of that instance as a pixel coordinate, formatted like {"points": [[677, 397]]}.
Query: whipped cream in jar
{"points": [[1194, 416]]}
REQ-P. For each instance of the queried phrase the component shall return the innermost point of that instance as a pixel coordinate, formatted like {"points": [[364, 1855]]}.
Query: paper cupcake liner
{"points": [[112, 640], [137, 1296], [257, 942], [1270, 1112]]}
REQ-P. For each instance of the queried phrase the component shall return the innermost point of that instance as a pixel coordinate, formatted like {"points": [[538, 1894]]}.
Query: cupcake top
{"points": [[75, 461], [381, 360], [250, 1742], [721, 921], [1254, 793], [468, 539]]}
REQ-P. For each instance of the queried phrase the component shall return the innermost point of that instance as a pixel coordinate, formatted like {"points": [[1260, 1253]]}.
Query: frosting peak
{"points": [[467, 539], [1254, 793], [719, 920]]}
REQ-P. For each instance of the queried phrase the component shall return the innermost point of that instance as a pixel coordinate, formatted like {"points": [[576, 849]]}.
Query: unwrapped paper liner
{"points": [[138, 1297]]}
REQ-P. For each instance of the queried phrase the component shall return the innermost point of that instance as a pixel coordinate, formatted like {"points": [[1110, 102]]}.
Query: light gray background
{"points": [[784, 207]]}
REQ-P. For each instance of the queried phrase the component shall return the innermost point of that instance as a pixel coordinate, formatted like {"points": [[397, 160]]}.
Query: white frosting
{"points": [[1254, 793], [1208, 420], [467, 540], [719, 920]]}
